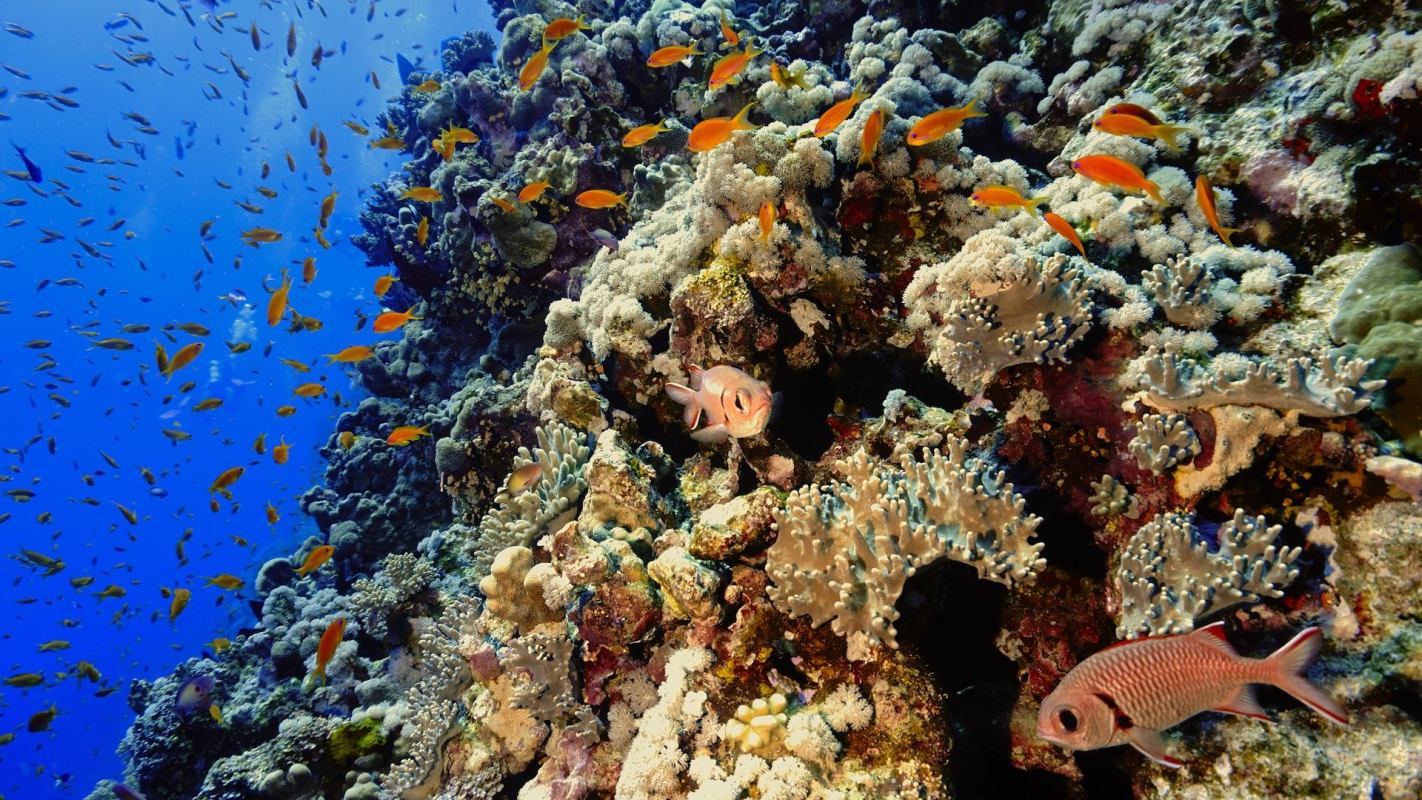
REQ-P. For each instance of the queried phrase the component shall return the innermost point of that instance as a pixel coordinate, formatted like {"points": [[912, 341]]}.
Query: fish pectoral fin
{"points": [[1244, 703], [688, 397], [1152, 746], [712, 434]]}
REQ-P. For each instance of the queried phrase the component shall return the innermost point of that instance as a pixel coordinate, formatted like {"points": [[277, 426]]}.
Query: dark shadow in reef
{"points": [[951, 619]]}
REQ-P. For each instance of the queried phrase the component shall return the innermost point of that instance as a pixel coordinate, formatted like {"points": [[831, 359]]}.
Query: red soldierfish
{"points": [[1131, 691], [735, 404]]}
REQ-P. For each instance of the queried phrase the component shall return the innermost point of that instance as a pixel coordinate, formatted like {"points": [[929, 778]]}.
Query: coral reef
{"points": [[562, 595]]}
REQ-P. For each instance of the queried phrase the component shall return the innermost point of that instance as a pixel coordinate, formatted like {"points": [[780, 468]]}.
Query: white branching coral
{"points": [[845, 550], [994, 305], [1321, 385], [1162, 441], [542, 664], [656, 759], [1181, 287], [1169, 576], [402, 576], [522, 515], [1110, 496]]}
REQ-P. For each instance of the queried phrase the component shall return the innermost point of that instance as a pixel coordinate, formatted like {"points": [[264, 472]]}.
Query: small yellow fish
{"points": [[869, 140], [347, 439], [260, 445], [998, 196], [226, 581], [524, 477], [317, 557], [533, 191], [422, 231], [429, 85], [220, 644], [671, 54], [180, 602], [182, 358], [533, 70], [785, 80], [383, 284], [285, 411], [642, 134], [508, 207], [208, 404], [312, 389], [388, 143], [767, 220], [405, 434], [357, 128], [423, 194], [226, 479], [296, 365], [352, 354], [54, 645], [393, 320], [281, 452], [600, 198], [258, 236], [272, 516]]}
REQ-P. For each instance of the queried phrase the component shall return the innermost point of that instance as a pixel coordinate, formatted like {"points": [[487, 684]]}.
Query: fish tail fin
{"points": [[1031, 205], [1286, 667], [1170, 134], [1225, 233], [971, 110], [739, 121], [1153, 192], [688, 397]]}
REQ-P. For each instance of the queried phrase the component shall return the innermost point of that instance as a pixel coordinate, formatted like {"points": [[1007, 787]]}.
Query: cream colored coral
{"points": [[759, 725], [515, 589]]}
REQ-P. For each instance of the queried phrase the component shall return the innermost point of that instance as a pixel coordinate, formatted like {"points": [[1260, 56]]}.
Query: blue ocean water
{"points": [[136, 118]]}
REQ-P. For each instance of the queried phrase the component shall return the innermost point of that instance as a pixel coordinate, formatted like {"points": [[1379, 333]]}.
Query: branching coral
{"points": [[524, 514], [1110, 496], [656, 758], [1162, 441], [1181, 287], [1321, 385], [1170, 576], [845, 550]]}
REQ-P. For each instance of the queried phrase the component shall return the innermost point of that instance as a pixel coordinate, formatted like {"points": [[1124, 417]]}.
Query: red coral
{"points": [[1298, 148], [1366, 97]]}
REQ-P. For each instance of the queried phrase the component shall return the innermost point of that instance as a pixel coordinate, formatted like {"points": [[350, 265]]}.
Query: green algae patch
{"points": [[353, 740]]}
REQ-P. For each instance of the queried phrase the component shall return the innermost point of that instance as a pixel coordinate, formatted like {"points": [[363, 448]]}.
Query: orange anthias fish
{"points": [[351, 355], [600, 198], [383, 284], [429, 85], [998, 196], [182, 358], [767, 220], [710, 133], [226, 581], [533, 191], [785, 80], [257, 236], [1131, 691], [312, 389], [941, 123], [836, 114], [180, 602], [405, 434], [533, 70], [317, 557], [727, 67], [308, 270], [1205, 196], [728, 33], [1126, 124], [524, 477], [424, 194], [672, 54], [276, 306], [393, 320], [422, 231], [563, 27], [1112, 171], [734, 404], [1064, 228], [642, 134], [869, 140], [281, 451], [503, 203], [330, 640]]}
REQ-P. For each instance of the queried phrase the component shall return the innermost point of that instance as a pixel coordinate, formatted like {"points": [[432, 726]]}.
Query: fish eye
{"points": [[1067, 720], [742, 400]]}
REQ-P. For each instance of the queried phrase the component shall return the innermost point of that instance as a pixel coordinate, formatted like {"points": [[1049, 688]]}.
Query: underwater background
{"points": [[715, 400]]}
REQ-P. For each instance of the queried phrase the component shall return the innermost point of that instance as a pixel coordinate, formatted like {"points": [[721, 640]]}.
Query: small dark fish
{"points": [[23, 33], [36, 175]]}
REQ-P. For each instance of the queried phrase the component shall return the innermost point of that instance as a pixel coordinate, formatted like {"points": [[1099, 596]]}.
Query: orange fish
{"points": [[533, 70], [393, 320], [1112, 171], [314, 559], [1141, 128], [600, 198], [276, 306], [1135, 111], [351, 355], [383, 284], [405, 434], [312, 389], [308, 269], [1131, 691], [509, 208], [281, 451], [836, 114], [729, 66], [272, 516], [533, 191], [1205, 196], [422, 231], [785, 80], [182, 358], [998, 196], [1064, 228], [732, 38], [767, 221], [642, 134], [523, 477], [941, 123], [563, 27], [710, 133], [869, 140], [672, 54], [328, 205], [258, 236], [330, 640], [734, 404], [285, 411], [424, 194]]}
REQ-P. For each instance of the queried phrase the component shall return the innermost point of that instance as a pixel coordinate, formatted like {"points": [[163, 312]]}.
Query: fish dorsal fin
{"points": [[1214, 636], [1152, 745], [1244, 703]]}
